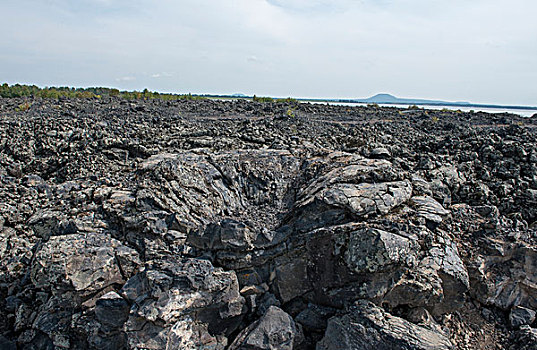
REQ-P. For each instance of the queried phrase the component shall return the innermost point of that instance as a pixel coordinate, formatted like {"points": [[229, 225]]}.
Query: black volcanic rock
{"points": [[274, 330], [231, 224], [368, 327]]}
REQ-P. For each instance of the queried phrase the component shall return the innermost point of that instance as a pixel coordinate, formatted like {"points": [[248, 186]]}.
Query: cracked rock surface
{"points": [[230, 225]]}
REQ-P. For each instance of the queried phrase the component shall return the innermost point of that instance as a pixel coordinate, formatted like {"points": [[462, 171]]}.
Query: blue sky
{"points": [[479, 51]]}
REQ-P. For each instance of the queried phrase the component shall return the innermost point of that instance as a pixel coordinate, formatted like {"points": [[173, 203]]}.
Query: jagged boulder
{"points": [[87, 264], [371, 250], [182, 303], [368, 327], [525, 339], [73, 272], [506, 277], [520, 316], [275, 330]]}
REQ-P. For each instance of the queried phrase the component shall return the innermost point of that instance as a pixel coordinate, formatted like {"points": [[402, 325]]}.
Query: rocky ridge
{"points": [[241, 225]]}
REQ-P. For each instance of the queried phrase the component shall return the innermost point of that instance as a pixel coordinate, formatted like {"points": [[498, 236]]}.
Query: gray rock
{"points": [[525, 339], [373, 250], [428, 208], [380, 153], [445, 261], [275, 330], [15, 254], [521, 316], [111, 310], [266, 301], [507, 277], [182, 302], [292, 278], [368, 327], [45, 224], [191, 335], [85, 263], [315, 317], [367, 199], [420, 287]]}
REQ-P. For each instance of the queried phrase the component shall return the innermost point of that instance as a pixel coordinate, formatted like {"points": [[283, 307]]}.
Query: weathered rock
{"points": [[275, 330], [445, 261], [373, 250], [87, 264], [367, 199], [15, 255], [520, 316], [181, 302], [45, 224], [367, 326], [428, 208], [506, 278], [380, 153], [111, 310], [525, 339], [315, 317]]}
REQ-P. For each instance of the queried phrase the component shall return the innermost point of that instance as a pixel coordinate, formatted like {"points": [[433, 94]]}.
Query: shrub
{"points": [[23, 107], [290, 113], [262, 99]]}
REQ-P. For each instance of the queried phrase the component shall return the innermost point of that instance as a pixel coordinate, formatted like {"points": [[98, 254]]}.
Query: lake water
{"points": [[523, 112]]}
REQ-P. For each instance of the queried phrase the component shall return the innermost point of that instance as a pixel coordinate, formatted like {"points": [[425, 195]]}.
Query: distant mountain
{"points": [[387, 98], [239, 95]]}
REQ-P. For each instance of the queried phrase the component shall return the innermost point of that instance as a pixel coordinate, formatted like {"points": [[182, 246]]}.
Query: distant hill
{"points": [[387, 98]]}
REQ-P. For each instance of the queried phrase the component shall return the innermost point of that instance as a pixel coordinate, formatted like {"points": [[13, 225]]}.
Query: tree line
{"points": [[20, 90]]}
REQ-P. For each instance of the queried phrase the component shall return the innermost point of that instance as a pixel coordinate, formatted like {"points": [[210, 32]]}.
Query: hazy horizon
{"points": [[480, 52]]}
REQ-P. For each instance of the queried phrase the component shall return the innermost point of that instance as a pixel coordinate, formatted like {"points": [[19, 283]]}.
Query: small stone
{"points": [[380, 153]]}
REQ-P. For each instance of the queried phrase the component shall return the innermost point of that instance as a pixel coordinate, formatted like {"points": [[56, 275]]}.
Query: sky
{"points": [[482, 51]]}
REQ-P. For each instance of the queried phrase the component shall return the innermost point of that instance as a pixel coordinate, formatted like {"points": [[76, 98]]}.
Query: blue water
{"points": [[522, 112]]}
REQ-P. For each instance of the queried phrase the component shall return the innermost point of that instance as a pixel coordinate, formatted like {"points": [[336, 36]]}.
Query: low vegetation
{"points": [[18, 90], [265, 99]]}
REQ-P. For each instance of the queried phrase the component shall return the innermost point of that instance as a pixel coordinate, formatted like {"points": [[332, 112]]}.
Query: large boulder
{"points": [[182, 303], [275, 330], [372, 250], [85, 263], [368, 327], [525, 339], [191, 193], [506, 277], [73, 273]]}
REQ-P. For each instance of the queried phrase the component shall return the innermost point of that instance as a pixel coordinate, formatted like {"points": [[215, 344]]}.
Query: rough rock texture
{"points": [[275, 330], [231, 225], [525, 339], [180, 303], [520, 316], [368, 327]]}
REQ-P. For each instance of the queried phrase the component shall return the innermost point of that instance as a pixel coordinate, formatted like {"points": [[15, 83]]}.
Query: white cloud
{"points": [[483, 51], [123, 79], [161, 75]]}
